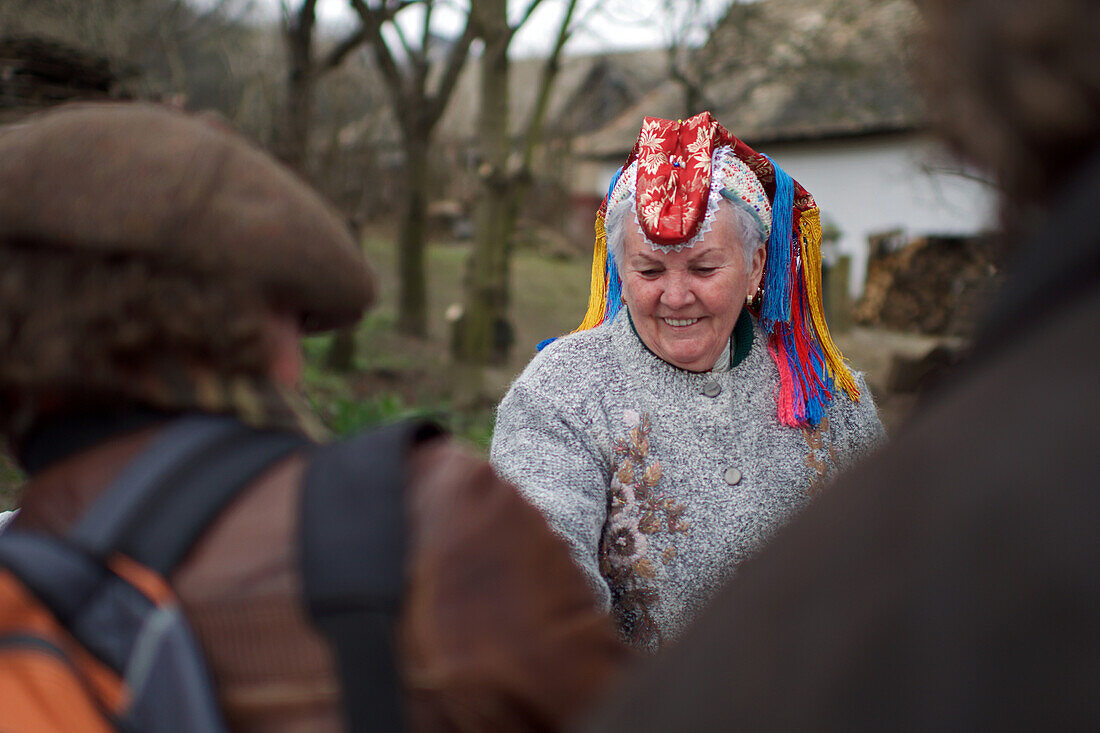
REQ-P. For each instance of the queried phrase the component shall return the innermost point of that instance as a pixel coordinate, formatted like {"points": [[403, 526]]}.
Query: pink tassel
{"points": [[786, 398]]}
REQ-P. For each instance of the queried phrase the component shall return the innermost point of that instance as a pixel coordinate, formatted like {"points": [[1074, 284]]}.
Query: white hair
{"points": [[747, 225]]}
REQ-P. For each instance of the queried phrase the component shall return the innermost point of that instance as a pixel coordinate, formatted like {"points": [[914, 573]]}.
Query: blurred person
{"points": [[154, 265], [667, 440], [950, 582]]}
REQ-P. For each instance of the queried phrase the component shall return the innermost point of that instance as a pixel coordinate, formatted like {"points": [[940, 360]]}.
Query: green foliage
{"points": [[346, 416], [473, 428]]}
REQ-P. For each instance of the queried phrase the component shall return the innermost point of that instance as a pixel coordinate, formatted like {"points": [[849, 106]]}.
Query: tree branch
{"points": [[372, 20], [414, 58], [426, 36], [336, 56], [530, 10], [307, 14], [533, 132], [456, 59]]}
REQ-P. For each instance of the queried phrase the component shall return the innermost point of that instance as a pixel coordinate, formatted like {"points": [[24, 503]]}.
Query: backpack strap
{"points": [[166, 498], [186, 507], [353, 563], [121, 506], [154, 512]]}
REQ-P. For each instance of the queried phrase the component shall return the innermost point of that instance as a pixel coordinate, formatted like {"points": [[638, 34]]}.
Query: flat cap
{"points": [[136, 178]]}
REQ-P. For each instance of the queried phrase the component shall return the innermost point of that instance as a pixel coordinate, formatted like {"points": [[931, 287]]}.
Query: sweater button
{"points": [[732, 476], [712, 389]]}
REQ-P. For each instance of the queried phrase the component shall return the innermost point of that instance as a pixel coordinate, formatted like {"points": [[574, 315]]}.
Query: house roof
{"points": [[781, 70]]}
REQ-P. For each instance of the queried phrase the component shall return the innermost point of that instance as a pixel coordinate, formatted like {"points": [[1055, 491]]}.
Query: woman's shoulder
{"points": [[856, 417], [560, 386], [581, 357], [578, 343], [863, 399]]}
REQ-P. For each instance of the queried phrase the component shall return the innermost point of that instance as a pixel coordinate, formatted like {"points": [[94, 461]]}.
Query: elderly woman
{"points": [[665, 441]]}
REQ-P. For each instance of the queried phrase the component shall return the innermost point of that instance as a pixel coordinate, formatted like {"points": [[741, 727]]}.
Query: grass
{"points": [[548, 298], [398, 376]]}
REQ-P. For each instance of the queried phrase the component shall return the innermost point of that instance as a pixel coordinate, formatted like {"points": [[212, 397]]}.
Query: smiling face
{"points": [[684, 304]]}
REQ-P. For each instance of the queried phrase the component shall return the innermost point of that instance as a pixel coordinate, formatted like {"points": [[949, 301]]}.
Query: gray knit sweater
{"points": [[663, 480]]}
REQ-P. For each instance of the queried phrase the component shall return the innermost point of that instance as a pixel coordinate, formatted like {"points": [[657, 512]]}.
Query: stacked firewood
{"points": [[933, 285]]}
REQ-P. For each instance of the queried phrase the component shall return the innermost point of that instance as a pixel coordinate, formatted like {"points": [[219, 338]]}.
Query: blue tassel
{"points": [[814, 411], [777, 282], [614, 180], [544, 343], [821, 389], [614, 285], [614, 290]]}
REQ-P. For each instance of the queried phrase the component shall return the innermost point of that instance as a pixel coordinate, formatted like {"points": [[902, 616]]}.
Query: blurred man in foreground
{"points": [[156, 265]]}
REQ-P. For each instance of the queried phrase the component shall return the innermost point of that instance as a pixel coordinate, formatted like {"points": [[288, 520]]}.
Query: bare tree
{"points": [[304, 68], [503, 186], [419, 91], [691, 60]]}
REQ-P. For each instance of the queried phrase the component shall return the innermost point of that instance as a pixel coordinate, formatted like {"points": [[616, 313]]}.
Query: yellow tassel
{"points": [[597, 290], [809, 229]]}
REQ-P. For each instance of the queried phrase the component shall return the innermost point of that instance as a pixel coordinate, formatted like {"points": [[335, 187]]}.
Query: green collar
{"points": [[740, 339]]}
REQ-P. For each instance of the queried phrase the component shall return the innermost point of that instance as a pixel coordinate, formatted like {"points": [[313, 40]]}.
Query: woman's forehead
{"points": [[722, 239]]}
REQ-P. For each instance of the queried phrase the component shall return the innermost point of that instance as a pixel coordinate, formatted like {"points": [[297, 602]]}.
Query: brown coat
{"points": [[498, 632]]}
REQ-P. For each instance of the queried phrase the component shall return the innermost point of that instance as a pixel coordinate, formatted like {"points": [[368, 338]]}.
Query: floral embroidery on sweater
{"points": [[636, 510]]}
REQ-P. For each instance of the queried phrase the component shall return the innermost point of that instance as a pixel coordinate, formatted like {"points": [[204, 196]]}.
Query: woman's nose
{"points": [[677, 292]]}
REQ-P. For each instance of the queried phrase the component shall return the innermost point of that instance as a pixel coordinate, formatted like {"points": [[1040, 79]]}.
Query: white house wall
{"points": [[867, 186], [873, 185]]}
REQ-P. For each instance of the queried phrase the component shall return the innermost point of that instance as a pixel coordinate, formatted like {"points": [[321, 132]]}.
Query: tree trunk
{"points": [[484, 332], [341, 352], [294, 143], [412, 292], [405, 74]]}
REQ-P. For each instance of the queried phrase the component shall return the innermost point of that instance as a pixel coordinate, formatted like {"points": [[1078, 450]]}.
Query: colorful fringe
{"points": [[791, 313], [809, 362], [779, 266], [810, 241]]}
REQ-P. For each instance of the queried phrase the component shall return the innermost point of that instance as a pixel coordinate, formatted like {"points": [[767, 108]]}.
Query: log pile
{"points": [[934, 285]]}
